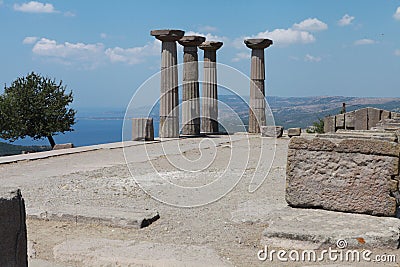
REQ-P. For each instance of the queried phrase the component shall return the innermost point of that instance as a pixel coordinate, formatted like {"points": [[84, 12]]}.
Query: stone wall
{"points": [[13, 244], [361, 119], [351, 175]]}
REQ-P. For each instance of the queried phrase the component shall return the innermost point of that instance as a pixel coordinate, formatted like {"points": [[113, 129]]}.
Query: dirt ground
{"points": [[101, 178]]}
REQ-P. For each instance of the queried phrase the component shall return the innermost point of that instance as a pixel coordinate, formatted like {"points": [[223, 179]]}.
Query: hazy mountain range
{"points": [[287, 111]]}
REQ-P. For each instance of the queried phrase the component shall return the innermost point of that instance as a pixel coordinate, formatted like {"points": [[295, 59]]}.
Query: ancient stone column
{"points": [[257, 86], [169, 99], [190, 92], [209, 107]]}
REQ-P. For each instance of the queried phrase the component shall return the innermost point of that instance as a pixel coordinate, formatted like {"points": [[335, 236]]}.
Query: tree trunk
{"points": [[51, 140]]}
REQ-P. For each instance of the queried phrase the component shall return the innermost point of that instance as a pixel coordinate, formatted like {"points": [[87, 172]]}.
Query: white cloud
{"points": [[397, 14], [310, 58], [310, 24], [299, 33], [30, 40], [209, 36], [364, 42], [346, 20], [69, 14], [103, 35], [287, 36], [207, 28], [241, 56], [397, 52], [35, 7], [134, 55], [89, 56]]}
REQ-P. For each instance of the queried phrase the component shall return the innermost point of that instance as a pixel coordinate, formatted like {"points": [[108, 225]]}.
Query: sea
{"points": [[91, 128]]}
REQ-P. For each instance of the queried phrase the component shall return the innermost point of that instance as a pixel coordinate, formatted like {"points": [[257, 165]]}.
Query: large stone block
{"points": [[374, 116], [13, 242], [385, 114], [294, 132], [361, 119], [63, 146], [349, 175], [330, 124], [340, 121], [271, 131], [349, 120], [142, 129]]}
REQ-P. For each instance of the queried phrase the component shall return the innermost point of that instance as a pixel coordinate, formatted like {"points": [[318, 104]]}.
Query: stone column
{"points": [[257, 87], [169, 99], [209, 107], [190, 92]]}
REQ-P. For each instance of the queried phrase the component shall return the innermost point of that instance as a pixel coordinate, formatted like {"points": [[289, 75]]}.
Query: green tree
{"points": [[317, 127], [37, 107]]}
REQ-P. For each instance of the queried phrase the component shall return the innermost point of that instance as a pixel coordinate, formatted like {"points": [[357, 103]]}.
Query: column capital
{"points": [[191, 40], [167, 35], [258, 43], [210, 45]]}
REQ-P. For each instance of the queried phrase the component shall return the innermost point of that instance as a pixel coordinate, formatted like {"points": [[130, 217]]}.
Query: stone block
{"points": [[340, 121], [271, 131], [330, 124], [385, 114], [348, 175], [349, 120], [63, 146], [361, 119], [13, 241], [374, 116], [142, 129], [294, 132]]}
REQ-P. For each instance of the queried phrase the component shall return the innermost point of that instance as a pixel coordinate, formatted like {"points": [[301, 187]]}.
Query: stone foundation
{"points": [[358, 175]]}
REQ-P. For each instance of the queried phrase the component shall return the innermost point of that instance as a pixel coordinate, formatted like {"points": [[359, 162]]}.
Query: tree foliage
{"points": [[37, 107], [317, 127]]}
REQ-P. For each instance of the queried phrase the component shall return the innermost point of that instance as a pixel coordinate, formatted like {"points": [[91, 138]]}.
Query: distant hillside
{"points": [[9, 149], [292, 111], [302, 111]]}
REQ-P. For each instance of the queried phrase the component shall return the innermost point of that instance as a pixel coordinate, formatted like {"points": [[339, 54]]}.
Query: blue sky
{"points": [[103, 50]]}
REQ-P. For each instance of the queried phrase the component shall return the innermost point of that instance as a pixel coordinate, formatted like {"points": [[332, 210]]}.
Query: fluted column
{"points": [[190, 92], [169, 99], [257, 87], [209, 107]]}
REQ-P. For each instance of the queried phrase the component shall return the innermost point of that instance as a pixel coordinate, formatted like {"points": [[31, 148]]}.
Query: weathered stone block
{"points": [[385, 114], [142, 129], [63, 146], [349, 120], [340, 121], [330, 124], [294, 132], [374, 116], [271, 131], [361, 119], [350, 175], [395, 115], [13, 242]]}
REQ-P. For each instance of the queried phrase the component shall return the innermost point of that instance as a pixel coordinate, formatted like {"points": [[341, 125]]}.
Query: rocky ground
{"points": [[85, 209]]}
